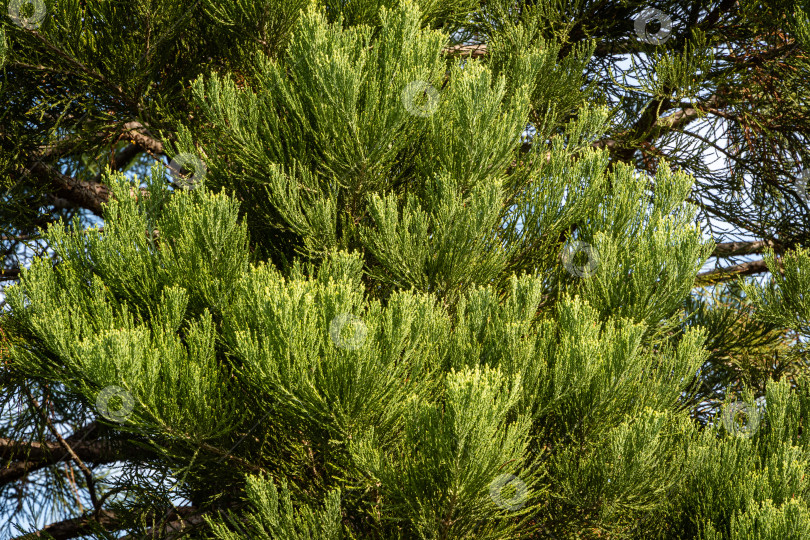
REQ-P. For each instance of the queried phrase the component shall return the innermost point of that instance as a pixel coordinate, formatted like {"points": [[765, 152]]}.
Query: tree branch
{"points": [[9, 274], [471, 51], [109, 520], [173, 529], [685, 116], [724, 274], [73, 528], [27, 456], [730, 249], [88, 474], [135, 132], [90, 195], [603, 48]]}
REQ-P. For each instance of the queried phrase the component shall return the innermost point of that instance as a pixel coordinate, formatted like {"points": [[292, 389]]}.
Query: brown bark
{"points": [[108, 520], [744, 269], [27, 456], [730, 249]]}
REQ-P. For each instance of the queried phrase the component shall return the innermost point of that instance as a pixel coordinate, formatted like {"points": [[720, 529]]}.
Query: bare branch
{"points": [[731, 272], [730, 249], [9, 274], [88, 474], [109, 520], [90, 195], [27, 456], [73, 528], [471, 51], [135, 131]]}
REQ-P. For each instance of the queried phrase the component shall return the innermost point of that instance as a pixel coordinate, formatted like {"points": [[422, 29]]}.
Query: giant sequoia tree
{"points": [[417, 269]]}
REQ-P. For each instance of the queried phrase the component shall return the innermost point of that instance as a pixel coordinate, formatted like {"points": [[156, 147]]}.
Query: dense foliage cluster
{"points": [[387, 290]]}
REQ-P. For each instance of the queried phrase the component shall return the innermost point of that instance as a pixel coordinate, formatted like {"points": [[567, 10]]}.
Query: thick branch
{"points": [[90, 195], [27, 456], [106, 519], [724, 274], [136, 132], [9, 274], [86, 194], [73, 528], [731, 249], [173, 529], [125, 157]]}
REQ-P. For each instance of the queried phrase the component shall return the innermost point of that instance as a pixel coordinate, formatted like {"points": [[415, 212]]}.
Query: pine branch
{"points": [[731, 249], [173, 529], [135, 132], [109, 520], [94, 75], [88, 474], [89, 195], [731, 272], [28, 456], [75, 527], [660, 127], [9, 274]]}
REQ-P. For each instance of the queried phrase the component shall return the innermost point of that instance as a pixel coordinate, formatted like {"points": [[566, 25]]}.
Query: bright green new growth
{"points": [[277, 519], [471, 354], [784, 299], [430, 407]]}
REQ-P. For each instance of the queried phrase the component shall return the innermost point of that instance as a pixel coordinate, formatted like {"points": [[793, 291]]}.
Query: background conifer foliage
{"points": [[281, 269]]}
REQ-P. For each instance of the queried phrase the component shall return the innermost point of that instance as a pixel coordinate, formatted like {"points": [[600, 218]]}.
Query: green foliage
{"points": [[425, 408], [783, 299], [379, 301], [274, 517], [436, 482]]}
